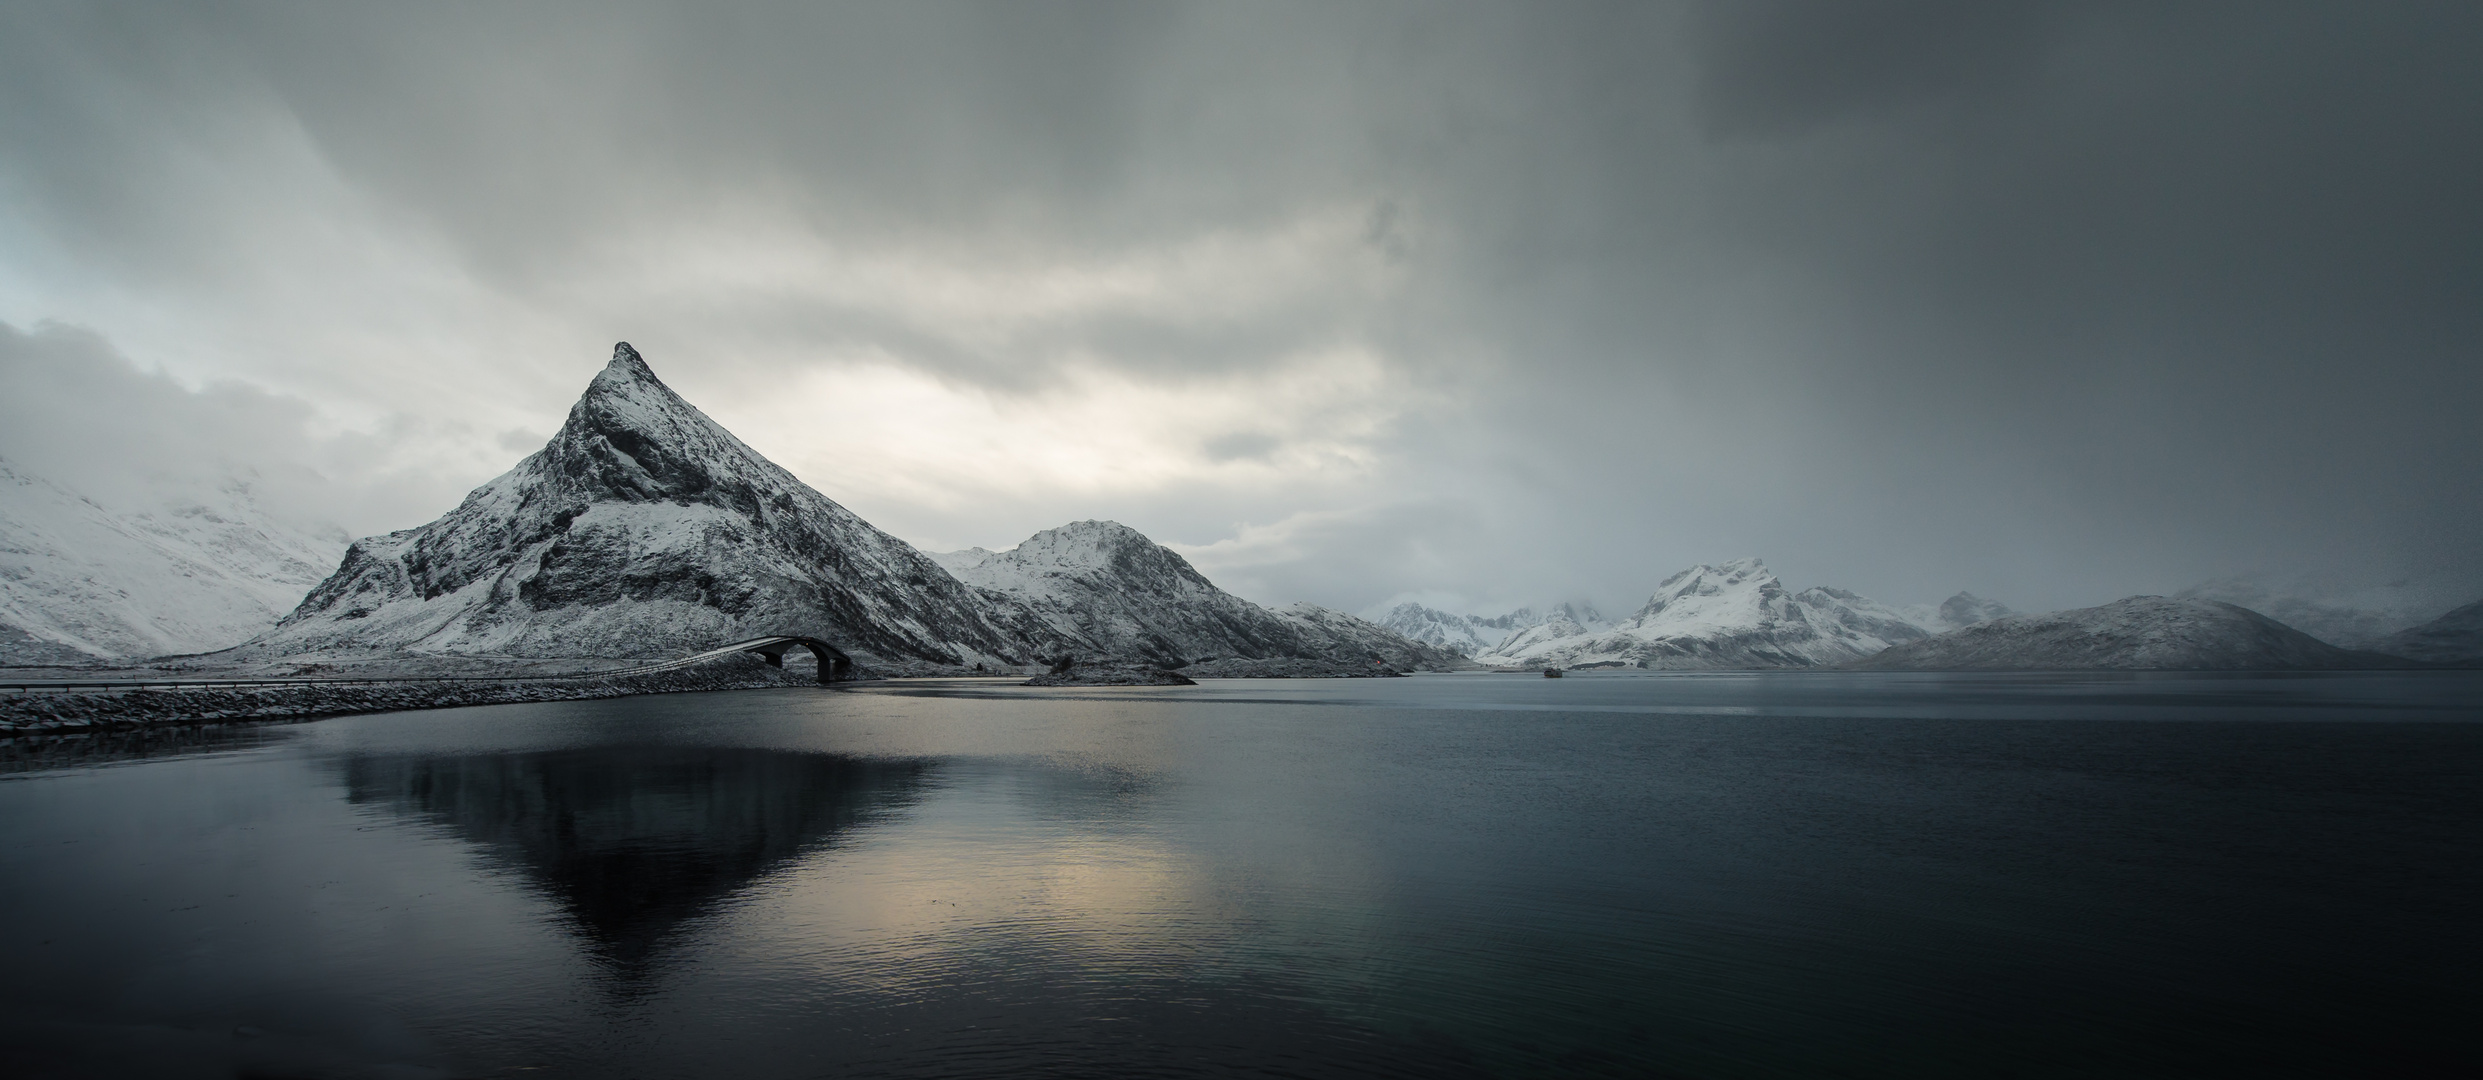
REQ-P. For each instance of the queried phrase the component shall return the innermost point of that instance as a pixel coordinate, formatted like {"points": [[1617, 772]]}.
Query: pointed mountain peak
{"points": [[1747, 579], [626, 370], [626, 361], [632, 437]]}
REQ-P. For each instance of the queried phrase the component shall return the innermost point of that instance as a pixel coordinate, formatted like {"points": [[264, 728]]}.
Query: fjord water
{"points": [[1698, 875]]}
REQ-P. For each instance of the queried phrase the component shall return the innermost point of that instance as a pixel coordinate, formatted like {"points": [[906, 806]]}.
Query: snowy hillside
{"points": [[2345, 615], [1333, 635], [958, 561], [80, 582], [1476, 635], [1100, 588], [2139, 633], [1737, 615], [643, 529], [2455, 638]]}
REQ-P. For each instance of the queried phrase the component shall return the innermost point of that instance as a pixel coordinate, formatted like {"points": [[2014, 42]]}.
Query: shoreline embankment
{"points": [[67, 711]]}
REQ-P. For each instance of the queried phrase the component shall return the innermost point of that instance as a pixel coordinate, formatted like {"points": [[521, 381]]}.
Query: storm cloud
{"points": [[1495, 304]]}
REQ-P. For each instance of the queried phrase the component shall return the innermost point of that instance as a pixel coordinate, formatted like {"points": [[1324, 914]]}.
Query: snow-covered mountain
{"points": [[1103, 589], [643, 529], [1476, 635], [80, 582], [2139, 633], [2345, 614], [2455, 638], [1737, 615]]}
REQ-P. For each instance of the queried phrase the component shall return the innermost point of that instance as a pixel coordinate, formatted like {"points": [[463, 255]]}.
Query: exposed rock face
{"points": [[1737, 615], [1102, 589], [644, 529], [2455, 638], [80, 583], [2139, 633]]}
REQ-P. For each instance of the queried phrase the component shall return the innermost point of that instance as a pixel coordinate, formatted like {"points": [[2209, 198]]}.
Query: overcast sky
{"points": [[1493, 304]]}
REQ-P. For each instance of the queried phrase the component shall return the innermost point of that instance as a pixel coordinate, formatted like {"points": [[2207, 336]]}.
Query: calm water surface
{"points": [[1714, 875]]}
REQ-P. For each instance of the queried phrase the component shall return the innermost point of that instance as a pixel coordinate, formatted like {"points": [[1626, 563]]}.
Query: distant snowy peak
{"points": [[1558, 626], [1092, 547], [1476, 635], [2136, 634], [1731, 615], [204, 570], [1737, 591], [1525, 617], [1103, 589], [1456, 633]]}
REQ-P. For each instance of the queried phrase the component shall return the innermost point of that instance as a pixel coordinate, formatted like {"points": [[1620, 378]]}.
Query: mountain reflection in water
{"points": [[1881, 875], [635, 842]]}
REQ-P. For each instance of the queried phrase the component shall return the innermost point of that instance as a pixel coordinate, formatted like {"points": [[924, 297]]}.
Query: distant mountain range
{"points": [[1735, 615], [2348, 615], [1475, 635], [2142, 632], [81, 582], [645, 529]]}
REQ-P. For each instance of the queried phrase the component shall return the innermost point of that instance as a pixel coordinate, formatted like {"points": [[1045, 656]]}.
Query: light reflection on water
{"points": [[1710, 875]]}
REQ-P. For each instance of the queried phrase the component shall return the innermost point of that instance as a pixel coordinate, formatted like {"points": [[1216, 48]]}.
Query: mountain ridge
{"points": [[1732, 615], [2139, 633], [1109, 591]]}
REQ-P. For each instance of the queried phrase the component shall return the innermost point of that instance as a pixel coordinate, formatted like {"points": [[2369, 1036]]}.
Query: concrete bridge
{"points": [[834, 665]]}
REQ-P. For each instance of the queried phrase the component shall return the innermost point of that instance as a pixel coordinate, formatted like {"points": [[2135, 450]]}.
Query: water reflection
{"points": [[51, 752], [635, 842]]}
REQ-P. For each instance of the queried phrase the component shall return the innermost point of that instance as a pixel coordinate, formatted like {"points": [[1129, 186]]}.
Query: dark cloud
{"points": [[2055, 302], [76, 412]]}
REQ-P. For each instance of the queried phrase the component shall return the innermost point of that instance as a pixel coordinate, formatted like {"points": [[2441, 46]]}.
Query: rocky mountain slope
{"points": [[2139, 633], [2455, 639], [1103, 589], [1737, 615], [643, 529], [81, 583]]}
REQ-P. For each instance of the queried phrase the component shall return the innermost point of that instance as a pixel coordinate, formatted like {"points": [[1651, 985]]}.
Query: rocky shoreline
{"points": [[51, 712]]}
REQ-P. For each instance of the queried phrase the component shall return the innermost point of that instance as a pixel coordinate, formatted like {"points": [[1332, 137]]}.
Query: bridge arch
{"points": [[834, 665]]}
